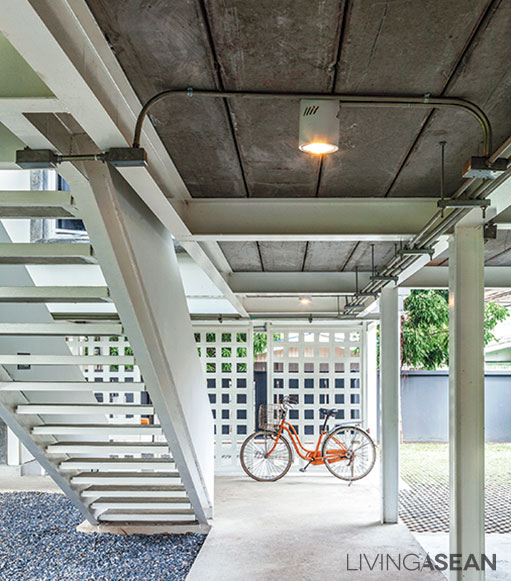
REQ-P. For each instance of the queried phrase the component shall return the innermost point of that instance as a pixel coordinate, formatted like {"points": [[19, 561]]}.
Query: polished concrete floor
{"points": [[304, 527]]}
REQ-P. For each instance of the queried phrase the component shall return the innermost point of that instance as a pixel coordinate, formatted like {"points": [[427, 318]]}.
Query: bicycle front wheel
{"points": [[259, 463], [349, 453]]}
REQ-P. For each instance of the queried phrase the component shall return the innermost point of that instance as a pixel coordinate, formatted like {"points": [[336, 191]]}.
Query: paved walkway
{"points": [[303, 527]]}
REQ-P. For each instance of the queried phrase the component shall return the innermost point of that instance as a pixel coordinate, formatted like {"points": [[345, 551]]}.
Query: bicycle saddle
{"points": [[327, 412]]}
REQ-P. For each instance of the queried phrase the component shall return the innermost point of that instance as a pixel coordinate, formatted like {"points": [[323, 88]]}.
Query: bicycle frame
{"points": [[312, 456]]}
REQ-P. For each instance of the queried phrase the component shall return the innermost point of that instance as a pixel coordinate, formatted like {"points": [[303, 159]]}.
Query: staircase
{"points": [[110, 457]]}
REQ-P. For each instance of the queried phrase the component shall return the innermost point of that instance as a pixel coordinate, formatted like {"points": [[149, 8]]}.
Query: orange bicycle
{"points": [[347, 451]]}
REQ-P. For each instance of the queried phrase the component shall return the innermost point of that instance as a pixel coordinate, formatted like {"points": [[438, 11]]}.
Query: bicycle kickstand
{"points": [[305, 467]]}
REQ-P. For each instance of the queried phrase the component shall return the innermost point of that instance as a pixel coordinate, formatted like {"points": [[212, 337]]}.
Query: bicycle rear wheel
{"points": [[258, 463], [351, 452]]}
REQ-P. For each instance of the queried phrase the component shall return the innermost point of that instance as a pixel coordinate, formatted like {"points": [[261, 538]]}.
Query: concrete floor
{"points": [[498, 544], [302, 527]]}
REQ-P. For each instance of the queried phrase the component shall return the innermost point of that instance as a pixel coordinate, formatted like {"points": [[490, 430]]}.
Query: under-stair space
{"points": [[100, 439]]}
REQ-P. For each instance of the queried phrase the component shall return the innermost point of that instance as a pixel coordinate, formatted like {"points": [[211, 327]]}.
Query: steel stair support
{"points": [[138, 260], [48, 442]]}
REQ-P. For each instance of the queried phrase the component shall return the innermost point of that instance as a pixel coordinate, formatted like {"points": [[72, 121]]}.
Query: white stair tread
{"points": [[61, 329], [108, 448], [98, 429], [46, 253], [36, 204], [67, 360], [127, 491], [80, 409], [117, 387], [146, 515], [131, 465], [168, 503], [129, 478], [54, 294]]}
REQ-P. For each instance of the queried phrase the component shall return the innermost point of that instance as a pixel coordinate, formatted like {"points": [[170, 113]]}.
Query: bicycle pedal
{"points": [[302, 469]]}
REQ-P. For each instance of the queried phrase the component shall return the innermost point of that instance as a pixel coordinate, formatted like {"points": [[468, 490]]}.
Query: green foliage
{"points": [[260, 343], [425, 328]]}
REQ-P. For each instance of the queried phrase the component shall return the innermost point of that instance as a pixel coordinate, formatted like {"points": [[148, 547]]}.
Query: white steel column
{"points": [[466, 395], [389, 403]]}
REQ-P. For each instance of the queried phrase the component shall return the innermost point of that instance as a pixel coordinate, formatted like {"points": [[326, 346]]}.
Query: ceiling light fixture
{"points": [[319, 126], [305, 300]]}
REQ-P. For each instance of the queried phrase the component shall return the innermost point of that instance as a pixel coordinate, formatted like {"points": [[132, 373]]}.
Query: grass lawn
{"points": [[431, 462]]}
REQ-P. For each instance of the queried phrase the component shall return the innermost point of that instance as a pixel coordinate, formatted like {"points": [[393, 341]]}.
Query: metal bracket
{"points": [[490, 231], [465, 204], [385, 278], [47, 159], [416, 252]]}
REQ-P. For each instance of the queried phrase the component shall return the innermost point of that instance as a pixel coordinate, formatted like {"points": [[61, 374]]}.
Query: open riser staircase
{"points": [[105, 450]]}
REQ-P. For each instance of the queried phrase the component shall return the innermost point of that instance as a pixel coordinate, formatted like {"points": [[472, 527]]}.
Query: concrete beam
{"points": [[283, 219]]}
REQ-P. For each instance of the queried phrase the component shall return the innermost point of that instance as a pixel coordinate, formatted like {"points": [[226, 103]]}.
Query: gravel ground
{"points": [[38, 542]]}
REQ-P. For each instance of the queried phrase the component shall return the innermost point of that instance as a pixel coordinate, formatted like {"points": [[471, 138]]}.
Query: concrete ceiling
{"points": [[249, 149]]}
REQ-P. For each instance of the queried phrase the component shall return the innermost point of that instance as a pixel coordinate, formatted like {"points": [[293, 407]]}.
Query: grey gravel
{"points": [[38, 542]]}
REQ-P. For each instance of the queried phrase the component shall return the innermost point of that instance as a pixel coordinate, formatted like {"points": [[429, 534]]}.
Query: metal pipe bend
{"points": [[347, 100]]}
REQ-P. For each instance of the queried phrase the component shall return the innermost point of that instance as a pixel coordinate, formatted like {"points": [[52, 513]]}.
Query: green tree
{"points": [[260, 342], [425, 328]]}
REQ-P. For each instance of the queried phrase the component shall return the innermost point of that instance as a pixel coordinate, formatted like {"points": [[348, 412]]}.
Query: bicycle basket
{"points": [[269, 416]]}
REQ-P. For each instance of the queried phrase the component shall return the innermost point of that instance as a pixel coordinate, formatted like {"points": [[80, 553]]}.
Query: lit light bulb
{"points": [[319, 126], [305, 300], [319, 148]]}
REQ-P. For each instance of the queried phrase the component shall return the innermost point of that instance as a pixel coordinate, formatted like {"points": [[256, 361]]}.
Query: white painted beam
{"points": [[61, 329], [438, 277], [45, 253], [54, 294], [282, 219], [466, 398], [31, 105]]}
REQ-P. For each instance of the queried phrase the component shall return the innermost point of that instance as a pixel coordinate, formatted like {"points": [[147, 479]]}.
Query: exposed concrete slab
{"points": [[244, 255], [301, 527], [162, 45], [282, 256]]}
